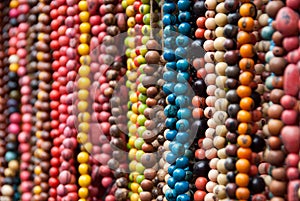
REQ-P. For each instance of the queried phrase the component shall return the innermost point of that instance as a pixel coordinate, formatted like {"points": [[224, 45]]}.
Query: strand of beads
{"points": [[26, 108], [43, 126], [290, 133], [83, 85], [14, 117], [232, 72], [177, 111], [5, 26], [200, 121]]}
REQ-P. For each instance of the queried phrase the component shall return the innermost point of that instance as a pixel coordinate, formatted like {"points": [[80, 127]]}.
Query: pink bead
{"points": [[24, 148], [26, 157], [106, 182], [292, 173], [104, 170], [13, 13], [25, 90], [26, 196], [15, 118], [22, 53]]}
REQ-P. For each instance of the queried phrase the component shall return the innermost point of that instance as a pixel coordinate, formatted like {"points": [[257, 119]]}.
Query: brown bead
{"points": [[145, 196], [275, 126], [153, 45], [278, 188], [148, 148], [149, 173], [147, 185], [275, 111], [276, 95], [273, 7], [274, 143], [152, 57], [274, 157], [277, 65], [277, 37], [279, 174]]}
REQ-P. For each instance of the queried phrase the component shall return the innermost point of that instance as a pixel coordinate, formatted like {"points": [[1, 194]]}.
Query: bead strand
{"points": [[83, 85], [26, 108], [5, 26], [43, 126]]}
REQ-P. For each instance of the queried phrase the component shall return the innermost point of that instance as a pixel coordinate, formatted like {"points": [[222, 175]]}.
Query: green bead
{"points": [[143, 50], [141, 108], [128, 84], [138, 143], [124, 4], [145, 1], [141, 119], [142, 98], [139, 168], [129, 113], [127, 52], [142, 89], [140, 178], [140, 189], [139, 155], [141, 130], [141, 59], [146, 19], [146, 29], [144, 9], [145, 39]]}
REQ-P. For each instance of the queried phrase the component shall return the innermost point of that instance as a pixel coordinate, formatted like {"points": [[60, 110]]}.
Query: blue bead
{"points": [[180, 52], [168, 87], [177, 149], [182, 162], [171, 158], [183, 197], [169, 31], [169, 55], [182, 77], [182, 137], [267, 32], [169, 76], [182, 64], [182, 125], [171, 135], [171, 111], [180, 88], [182, 101], [169, 19], [171, 99], [9, 156], [171, 182], [184, 28], [179, 174], [171, 169], [169, 7], [171, 65], [184, 16], [170, 43], [184, 113], [171, 195], [183, 5], [181, 187], [171, 123], [171, 144], [182, 41]]}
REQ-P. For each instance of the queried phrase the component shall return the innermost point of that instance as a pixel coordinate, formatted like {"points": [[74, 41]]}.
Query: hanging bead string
{"points": [[4, 97], [26, 77], [198, 101], [83, 84], [43, 126], [11, 172], [281, 113]]}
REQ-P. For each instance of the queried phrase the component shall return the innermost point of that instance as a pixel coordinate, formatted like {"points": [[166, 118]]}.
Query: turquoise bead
{"points": [[171, 169], [182, 137], [179, 174], [170, 111], [169, 31], [182, 77], [168, 88], [169, 7], [182, 125], [269, 82], [171, 195], [169, 19], [182, 41], [183, 5], [184, 16], [169, 76], [182, 162], [267, 32], [184, 28], [169, 55], [182, 64], [170, 43], [182, 101], [171, 182], [183, 197], [9, 156], [180, 89], [171, 99], [177, 149], [184, 113], [171, 65], [181, 187], [171, 123], [180, 53], [171, 158]]}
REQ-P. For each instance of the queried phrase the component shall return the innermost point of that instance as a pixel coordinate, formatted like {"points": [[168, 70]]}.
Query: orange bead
{"points": [[246, 24], [244, 153], [243, 37], [198, 113], [242, 193], [244, 141], [247, 103], [243, 91], [199, 33], [247, 51], [243, 165], [244, 128], [242, 179], [244, 116], [246, 78], [248, 10], [246, 64]]}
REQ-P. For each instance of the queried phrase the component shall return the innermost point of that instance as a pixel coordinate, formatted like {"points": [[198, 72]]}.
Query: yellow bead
{"points": [[85, 60], [83, 157], [82, 137], [133, 118], [132, 129], [85, 27], [87, 147], [37, 189], [83, 168], [83, 192], [134, 187], [38, 134], [83, 94], [14, 67], [84, 16], [40, 56], [84, 180], [132, 165], [134, 98], [37, 170], [131, 22], [84, 127], [82, 199], [83, 5], [84, 83], [84, 117], [83, 49], [84, 70], [132, 153], [14, 4], [135, 108], [134, 197], [131, 141], [84, 38], [130, 11], [130, 2], [82, 106]]}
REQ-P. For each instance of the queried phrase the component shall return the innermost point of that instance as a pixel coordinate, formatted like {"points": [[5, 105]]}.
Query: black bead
{"points": [[232, 83], [230, 163], [199, 87], [231, 5], [233, 109], [199, 127], [232, 72], [230, 31], [201, 168], [257, 99], [258, 144], [233, 18], [231, 137], [230, 176], [232, 96], [231, 124], [199, 8], [257, 185]]}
